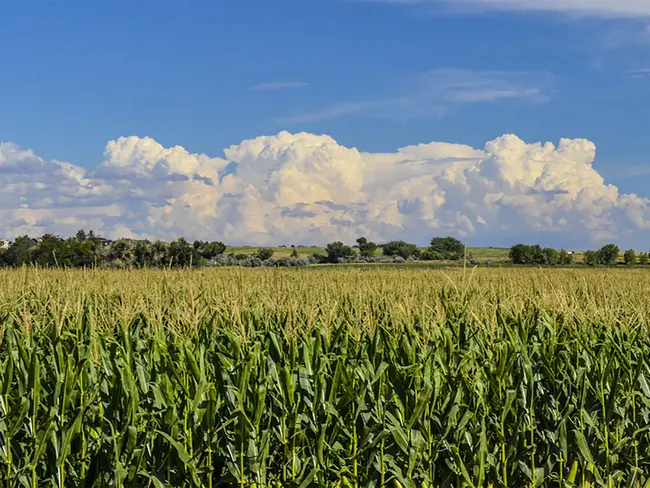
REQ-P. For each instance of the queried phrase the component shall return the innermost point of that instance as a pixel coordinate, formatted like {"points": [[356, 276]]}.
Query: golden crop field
{"points": [[325, 376]]}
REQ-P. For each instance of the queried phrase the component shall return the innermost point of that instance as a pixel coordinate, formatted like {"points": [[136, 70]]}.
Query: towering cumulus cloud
{"points": [[308, 189]]}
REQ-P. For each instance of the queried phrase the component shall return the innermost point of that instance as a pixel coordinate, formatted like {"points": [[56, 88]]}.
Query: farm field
{"points": [[325, 376]]}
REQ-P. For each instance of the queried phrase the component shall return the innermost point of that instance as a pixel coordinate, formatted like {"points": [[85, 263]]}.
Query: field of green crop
{"points": [[325, 377]]}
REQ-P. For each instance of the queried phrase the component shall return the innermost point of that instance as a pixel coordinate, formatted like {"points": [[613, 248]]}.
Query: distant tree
{"points": [[524, 254], [591, 258], [51, 251], [209, 250], [643, 259], [399, 248], [629, 257], [447, 248], [160, 254], [143, 254], [337, 250], [520, 254], [608, 254], [294, 252], [366, 247], [427, 255], [120, 253], [565, 257], [265, 253], [20, 251], [81, 252], [182, 253], [81, 235], [551, 256]]}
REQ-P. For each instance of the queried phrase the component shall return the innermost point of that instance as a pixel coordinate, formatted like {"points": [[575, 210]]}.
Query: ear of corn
{"points": [[277, 395]]}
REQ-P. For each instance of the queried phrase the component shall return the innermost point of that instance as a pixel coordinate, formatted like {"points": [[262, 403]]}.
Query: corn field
{"points": [[340, 377]]}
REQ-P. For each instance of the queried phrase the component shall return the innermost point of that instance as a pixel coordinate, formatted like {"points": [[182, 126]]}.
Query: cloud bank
{"points": [[308, 189]]}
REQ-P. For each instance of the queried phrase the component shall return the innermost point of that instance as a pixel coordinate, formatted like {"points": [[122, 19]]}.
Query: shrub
{"points": [[629, 257], [264, 253], [399, 248], [366, 248], [592, 258], [608, 254], [337, 251], [447, 247]]}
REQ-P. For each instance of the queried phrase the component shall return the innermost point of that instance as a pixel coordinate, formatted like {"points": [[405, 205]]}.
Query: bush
{"points": [[643, 259], [265, 253], [524, 254], [608, 254], [551, 256], [591, 258], [250, 262], [629, 257], [366, 248], [565, 257], [447, 248], [399, 248], [337, 251]]}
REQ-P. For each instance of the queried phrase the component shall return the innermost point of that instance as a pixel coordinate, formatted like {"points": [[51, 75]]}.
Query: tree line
{"points": [[440, 249], [87, 249], [605, 256]]}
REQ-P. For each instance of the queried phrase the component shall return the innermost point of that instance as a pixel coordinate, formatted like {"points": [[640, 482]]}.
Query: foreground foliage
{"points": [[353, 387]]}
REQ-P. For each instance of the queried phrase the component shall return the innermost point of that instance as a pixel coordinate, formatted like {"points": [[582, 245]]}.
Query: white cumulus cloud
{"points": [[308, 189]]}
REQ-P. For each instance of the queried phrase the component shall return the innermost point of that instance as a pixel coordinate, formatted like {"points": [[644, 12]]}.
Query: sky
{"points": [[301, 122]]}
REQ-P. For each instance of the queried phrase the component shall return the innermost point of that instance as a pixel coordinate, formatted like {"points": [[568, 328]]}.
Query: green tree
{"points": [[337, 250], [81, 252], [629, 257], [608, 254], [51, 251], [447, 247], [524, 254], [521, 254], [265, 253], [591, 258], [143, 253], [182, 253], [209, 250], [565, 257], [643, 259], [399, 248], [20, 251], [366, 247], [551, 256]]}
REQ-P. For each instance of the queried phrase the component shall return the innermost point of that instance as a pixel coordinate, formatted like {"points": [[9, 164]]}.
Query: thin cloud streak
{"points": [[279, 85], [435, 93], [593, 8], [639, 73]]}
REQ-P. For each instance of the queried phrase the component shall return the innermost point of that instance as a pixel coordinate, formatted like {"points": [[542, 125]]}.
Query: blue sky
{"points": [[373, 75]]}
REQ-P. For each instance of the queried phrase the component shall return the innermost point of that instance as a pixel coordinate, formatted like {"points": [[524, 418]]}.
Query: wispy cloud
{"points": [[279, 85], [337, 110], [639, 73], [631, 33], [599, 8], [437, 92]]}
